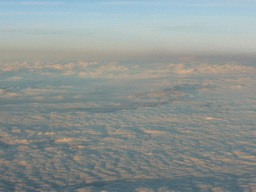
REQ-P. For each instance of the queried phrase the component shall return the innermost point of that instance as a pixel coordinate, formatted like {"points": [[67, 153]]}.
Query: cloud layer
{"points": [[111, 126]]}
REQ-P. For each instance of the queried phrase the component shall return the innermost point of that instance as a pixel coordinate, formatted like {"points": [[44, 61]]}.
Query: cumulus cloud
{"points": [[175, 91], [64, 140], [22, 141], [210, 69], [39, 98], [126, 130], [158, 98], [34, 92], [58, 97], [180, 69], [4, 93], [78, 96], [15, 78], [227, 68], [115, 70]]}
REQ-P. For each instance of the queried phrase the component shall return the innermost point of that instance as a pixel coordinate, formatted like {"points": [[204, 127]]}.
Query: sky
{"points": [[129, 26]]}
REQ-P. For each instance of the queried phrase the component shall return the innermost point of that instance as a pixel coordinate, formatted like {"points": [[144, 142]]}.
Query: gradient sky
{"points": [[129, 26]]}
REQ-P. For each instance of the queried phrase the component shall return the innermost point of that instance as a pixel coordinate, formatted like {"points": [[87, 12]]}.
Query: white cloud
{"points": [[15, 78], [230, 68], [114, 70], [179, 69], [2, 92], [49, 133], [64, 140], [22, 141], [78, 96], [58, 97], [43, 91], [39, 98], [6, 94]]}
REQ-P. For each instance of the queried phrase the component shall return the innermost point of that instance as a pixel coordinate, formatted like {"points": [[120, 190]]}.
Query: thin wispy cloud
{"points": [[34, 13], [32, 3], [5, 29], [41, 3], [144, 3], [183, 3], [134, 3]]}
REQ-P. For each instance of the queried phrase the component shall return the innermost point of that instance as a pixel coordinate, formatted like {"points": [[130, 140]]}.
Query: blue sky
{"points": [[129, 26]]}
